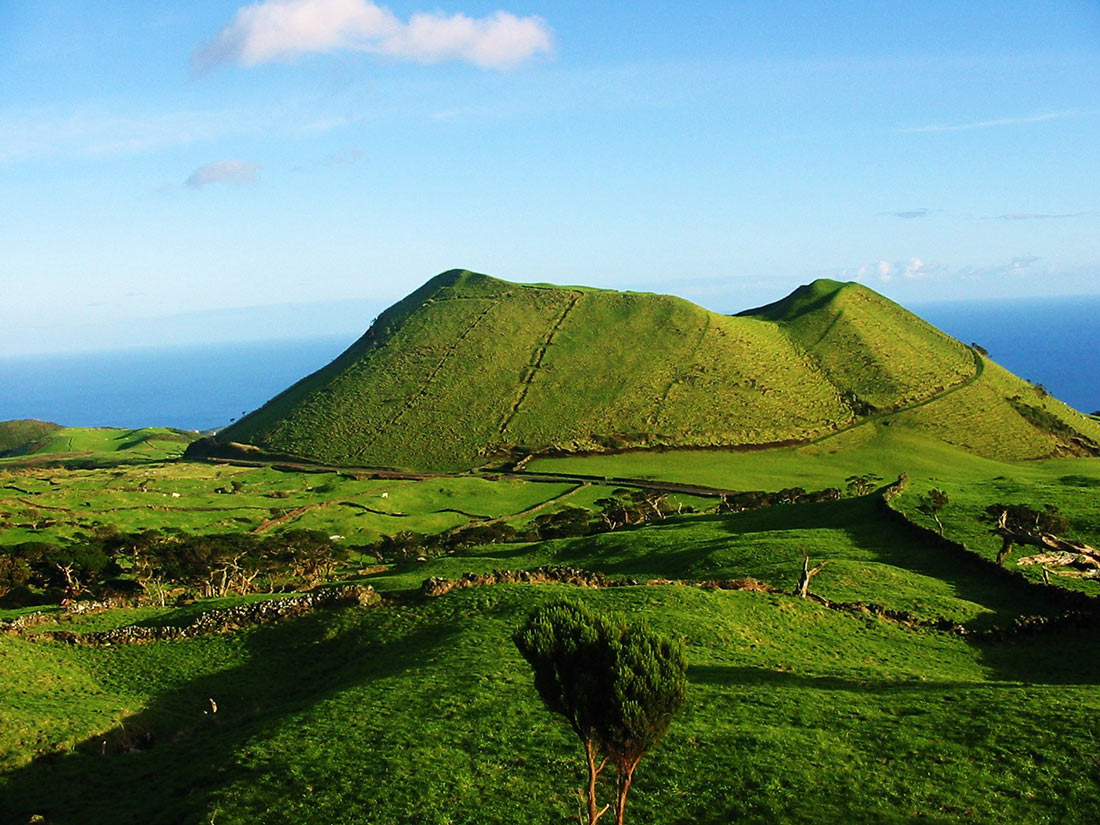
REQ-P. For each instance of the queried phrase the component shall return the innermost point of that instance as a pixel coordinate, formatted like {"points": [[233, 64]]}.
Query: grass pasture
{"points": [[426, 714], [58, 504], [421, 711]]}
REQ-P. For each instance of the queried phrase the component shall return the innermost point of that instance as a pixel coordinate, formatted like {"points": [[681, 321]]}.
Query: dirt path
{"points": [[689, 361], [423, 389]]}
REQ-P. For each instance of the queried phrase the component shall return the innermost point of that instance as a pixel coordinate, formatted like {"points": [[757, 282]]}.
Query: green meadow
{"points": [[422, 711]]}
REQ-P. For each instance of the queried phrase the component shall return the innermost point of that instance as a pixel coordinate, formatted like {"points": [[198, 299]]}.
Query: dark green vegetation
{"points": [[470, 370], [24, 436], [618, 685], [887, 696]]}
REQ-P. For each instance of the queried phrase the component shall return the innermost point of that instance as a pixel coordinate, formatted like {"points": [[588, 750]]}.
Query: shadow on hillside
{"points": [[162, 765], [886, 542], [1073, 660], [873, 537], [1066, 657]]}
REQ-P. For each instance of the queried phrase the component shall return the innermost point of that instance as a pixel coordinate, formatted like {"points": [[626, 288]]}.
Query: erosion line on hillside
{"points": [[423, 389], [828, 328], [536, 362], [264, 526], [652, 418], [367, 509], [462, 513]]}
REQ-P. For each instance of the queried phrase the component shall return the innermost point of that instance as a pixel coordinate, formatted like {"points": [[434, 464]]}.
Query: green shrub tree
{"points": [[619, 686], [931, 504]]}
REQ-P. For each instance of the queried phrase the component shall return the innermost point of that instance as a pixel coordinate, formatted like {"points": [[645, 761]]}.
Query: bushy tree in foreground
{"points": [[618, 685]]}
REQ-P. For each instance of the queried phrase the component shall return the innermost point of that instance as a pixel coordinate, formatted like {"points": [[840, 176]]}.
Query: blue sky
{"points": [[166, 168]]}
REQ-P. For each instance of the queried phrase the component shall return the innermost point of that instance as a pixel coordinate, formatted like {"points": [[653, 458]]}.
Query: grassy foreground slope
{"points": [[423, 712], [469, 369]]}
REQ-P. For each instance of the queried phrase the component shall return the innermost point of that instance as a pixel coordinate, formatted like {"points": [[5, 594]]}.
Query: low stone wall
{"points": [[436, 586], [1068, 600], [219, 620]]}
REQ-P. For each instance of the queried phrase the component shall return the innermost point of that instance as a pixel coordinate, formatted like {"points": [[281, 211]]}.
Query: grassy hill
{"points": [[469, 369], [31, 442], [24, 436]]}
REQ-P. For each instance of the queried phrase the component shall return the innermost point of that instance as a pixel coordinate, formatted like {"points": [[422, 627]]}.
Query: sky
{"points": [[216, 170]]}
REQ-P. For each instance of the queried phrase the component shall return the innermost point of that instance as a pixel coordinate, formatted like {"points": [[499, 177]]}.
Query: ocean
{"points": [[1053, 341], [191, 388], [1050, 341]]}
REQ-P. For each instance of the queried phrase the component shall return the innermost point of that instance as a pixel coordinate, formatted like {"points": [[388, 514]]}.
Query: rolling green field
{"points": [[469, 371], [24, 443], [421, 710], [59, 504]]}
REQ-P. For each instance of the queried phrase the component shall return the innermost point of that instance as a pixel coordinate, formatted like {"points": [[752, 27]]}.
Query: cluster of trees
{"points": [[1023, 518], [158, 564], [618, 685], [759, 499]]}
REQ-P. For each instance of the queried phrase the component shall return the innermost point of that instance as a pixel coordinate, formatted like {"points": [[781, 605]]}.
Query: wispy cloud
{"points": [[992, 124], [94, 132], [916, 269], [281, 30], [1037, 216], [908, 214], [223, 171]]}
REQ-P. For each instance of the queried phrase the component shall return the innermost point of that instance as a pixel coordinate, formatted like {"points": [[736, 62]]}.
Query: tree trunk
{"points": [[803, 588], [593, 774], [1059, 552], [625, 777]]}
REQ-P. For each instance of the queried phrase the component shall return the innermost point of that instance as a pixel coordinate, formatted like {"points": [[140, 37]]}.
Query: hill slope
{"points": [[470, 368], [24, 435]]}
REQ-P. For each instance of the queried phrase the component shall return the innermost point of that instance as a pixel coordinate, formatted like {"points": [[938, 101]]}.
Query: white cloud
{"points": [[887, 271], [916, 268], [281, 30], [223, 171]]}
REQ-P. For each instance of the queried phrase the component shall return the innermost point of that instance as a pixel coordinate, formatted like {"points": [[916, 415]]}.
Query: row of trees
{"points": [[156, 564]]}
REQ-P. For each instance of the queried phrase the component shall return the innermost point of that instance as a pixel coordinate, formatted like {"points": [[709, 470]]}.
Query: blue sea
{"points": [[191, 388], [1052, 341]]}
